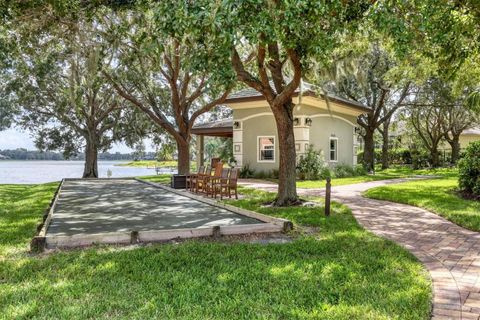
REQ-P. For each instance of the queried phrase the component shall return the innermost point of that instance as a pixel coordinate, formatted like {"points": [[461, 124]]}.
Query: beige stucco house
{"points": [[330, 128], [469, 135]]}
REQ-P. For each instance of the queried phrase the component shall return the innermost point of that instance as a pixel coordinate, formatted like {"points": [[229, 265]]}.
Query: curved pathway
{"points": [[450, 253]]}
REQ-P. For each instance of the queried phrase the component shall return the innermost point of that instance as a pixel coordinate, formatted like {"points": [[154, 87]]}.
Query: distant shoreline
{"points": [[37, 160]]}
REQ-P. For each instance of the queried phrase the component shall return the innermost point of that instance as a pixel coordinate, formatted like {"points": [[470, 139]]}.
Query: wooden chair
{"points": [[215, 185], [209, 180], [199, 181], [191, 177], [230, 184]]}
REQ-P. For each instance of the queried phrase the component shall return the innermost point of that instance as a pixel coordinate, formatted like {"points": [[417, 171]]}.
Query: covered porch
{"points": [[220, 128]]}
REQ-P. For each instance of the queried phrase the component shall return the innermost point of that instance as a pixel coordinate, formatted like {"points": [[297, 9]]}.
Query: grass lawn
{"points": [[436, 195], [393, 173], [160, 178], [338, 272], [150, 164]]}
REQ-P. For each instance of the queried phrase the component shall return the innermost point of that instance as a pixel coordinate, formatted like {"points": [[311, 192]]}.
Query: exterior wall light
{"points": [[296, 121], [236, 125], [308, 122], [357, 130]]}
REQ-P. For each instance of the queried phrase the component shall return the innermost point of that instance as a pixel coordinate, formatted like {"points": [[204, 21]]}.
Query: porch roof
{"points": [[219, 128]]}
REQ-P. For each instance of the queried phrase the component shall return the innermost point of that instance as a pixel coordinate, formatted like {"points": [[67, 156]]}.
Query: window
{"points": [[333, 149], [266, 149]]}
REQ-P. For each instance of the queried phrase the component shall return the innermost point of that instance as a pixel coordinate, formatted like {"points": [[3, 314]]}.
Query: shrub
{"points": [[420, 159], [469, 169], [310, 165], [261, 175], [378, 156], [342, 170], [275, 174], [400, 156], [246, 172], [359, 170], [325, 173]]}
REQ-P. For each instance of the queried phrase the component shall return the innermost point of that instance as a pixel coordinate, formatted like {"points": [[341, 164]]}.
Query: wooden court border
{"points": [[268, 224]]}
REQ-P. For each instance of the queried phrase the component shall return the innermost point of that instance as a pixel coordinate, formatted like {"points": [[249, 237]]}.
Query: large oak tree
{"points": [[166, 71], [271, 44], [65, 100], [438, 113], [378, 81]]}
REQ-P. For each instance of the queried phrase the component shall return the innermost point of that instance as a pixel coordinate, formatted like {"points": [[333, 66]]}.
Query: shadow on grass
{"points": [[341, 276], [436, 195], [21, 209]]}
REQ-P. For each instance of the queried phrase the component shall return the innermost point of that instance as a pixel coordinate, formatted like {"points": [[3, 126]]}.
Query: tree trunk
{"points": [[91, 156], [287, 188], [435, 157], [183, 165], [369, 150], [455, 145], [385, 145]]}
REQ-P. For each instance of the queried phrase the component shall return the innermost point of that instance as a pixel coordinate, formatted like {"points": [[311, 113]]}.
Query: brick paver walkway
{"points": [[450, 253]]}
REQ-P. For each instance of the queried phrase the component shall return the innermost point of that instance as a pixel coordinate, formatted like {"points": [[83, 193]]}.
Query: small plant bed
{"points": [[437, 195], [339, 272]]}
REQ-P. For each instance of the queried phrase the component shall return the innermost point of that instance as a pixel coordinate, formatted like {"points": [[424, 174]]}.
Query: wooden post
{"points": [[134, 237], [38, 244], [327, 196], [200, 151], [216, 232]]}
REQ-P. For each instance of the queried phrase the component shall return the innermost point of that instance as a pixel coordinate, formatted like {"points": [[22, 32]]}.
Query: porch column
{"points": [[302, 135], [238, 143], [355, 146], [200, 156]]}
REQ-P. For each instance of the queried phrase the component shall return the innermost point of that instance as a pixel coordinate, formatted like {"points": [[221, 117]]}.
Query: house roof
{"points": [[219, 128], [250, 94], [472, 131]]}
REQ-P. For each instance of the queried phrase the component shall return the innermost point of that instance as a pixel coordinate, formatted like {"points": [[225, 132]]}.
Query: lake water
{"points": [[48, 171]]}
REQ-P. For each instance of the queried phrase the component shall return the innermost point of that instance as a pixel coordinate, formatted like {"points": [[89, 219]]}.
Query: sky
{"points": [[15, 138]]}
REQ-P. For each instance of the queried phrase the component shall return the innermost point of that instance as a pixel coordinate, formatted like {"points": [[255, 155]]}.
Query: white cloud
{"points": [[15, 138]]}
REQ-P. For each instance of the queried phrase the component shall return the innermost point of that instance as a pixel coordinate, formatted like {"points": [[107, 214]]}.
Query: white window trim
{"points": [[329, 150], [274, 147]]}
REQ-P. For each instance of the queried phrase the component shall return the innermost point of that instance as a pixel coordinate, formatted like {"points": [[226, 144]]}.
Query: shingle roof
{"points": [[224, 123], [219, 128], [250, 92], [308, 89], [473, 131]]}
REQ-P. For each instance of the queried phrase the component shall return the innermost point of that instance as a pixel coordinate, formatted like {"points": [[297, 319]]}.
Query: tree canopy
{"points": [[168, 73], [102, 68]]}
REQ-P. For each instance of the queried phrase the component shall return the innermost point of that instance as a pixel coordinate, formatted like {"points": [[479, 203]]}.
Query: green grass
{"points": [[436, 195], [394, 173], [21, 207], [339, 272], [150, 164], [161, 178]]}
